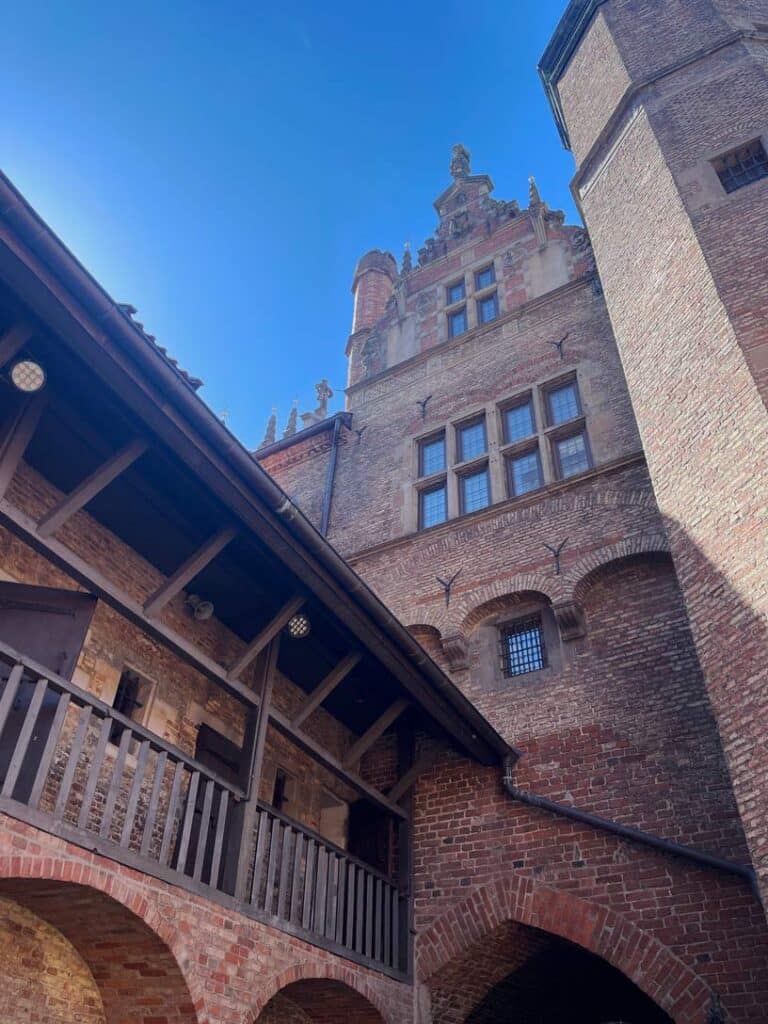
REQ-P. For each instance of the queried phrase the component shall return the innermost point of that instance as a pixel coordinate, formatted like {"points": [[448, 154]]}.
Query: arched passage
{"points": [[454, 939], [125, 971], [319, 1001], [532, 977]]}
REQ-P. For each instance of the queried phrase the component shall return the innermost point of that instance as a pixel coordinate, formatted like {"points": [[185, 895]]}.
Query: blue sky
{"points": [[222, 166]]}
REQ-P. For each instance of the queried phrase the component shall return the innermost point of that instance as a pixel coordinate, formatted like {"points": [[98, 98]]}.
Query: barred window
{"points": [[742, 166], [522, 647]]}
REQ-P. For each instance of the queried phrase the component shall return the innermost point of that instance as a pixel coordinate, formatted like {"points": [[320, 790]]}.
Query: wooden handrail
{"points": [[12, 657], [301, 827]]}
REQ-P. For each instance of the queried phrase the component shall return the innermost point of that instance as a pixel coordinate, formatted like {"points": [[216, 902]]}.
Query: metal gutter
{"points": [[325, 516], [634, 835], [36, 234]]}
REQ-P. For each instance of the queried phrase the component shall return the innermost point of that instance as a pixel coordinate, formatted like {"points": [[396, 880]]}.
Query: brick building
{"points": [[495, 751]]}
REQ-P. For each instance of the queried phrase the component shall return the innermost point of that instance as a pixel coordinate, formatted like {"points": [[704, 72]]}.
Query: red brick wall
{"points": [[684, 270]]}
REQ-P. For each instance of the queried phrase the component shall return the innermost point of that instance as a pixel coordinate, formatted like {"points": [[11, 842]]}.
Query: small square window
{"points": [[475, 492], [131, 696], [485, 278], [742, 166], [457, 322], [433, 508], [519, 422], [524, 473], [572, 455], [522, 647], [471, 440], [488, 309], [283, 789], [563, 403], [455, 292], [432, 455]]}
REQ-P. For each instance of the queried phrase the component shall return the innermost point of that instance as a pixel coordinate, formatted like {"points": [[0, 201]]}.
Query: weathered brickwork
{"points": [[683, 264]]}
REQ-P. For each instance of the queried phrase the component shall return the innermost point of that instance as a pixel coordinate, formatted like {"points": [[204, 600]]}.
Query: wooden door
{"points": [[49, 626]]}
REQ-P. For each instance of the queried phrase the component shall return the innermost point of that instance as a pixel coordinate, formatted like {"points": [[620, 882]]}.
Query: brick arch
{"points": [[579, 578], [104, 899], [651, 966], [504, 594], [306, 971]]}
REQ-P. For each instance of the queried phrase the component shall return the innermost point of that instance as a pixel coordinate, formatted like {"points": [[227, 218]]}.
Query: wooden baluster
{"points": [[188, 819], [25, 735], [171, 813], [154, 803], [74, 756], [262, 846], [133, 796], [269, 896], [369, 915], [205, 826], [388, 890], [93, 773], [320, 890], [115, 782], [379, 922], [309, 885], [341, 890], [48, 751], [283, 892], [298, 875], [349, 937], [218, 842], [396, 920], [9, 693], [330, 897], [360, 912]]}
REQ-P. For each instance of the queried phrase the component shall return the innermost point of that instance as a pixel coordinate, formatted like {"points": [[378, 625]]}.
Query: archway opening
{"points": [[85, 957], [319, 1001], [527, 976]]}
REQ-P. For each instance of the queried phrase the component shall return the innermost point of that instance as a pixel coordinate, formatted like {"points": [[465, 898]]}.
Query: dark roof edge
{"points": [[561, 47], [304, 434], [47, 247]]}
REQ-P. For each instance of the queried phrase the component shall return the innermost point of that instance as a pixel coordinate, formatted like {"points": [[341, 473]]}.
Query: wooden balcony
{"points": [[74, 767]]}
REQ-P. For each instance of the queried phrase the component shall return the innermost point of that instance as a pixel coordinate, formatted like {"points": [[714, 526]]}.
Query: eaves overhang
{"points": [[304, 435], [23, 230], [567, 36]]}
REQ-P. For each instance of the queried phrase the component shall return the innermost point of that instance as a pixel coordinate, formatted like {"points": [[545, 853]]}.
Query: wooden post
{"points": [[14, 443], [404, 921], [244, 814]]}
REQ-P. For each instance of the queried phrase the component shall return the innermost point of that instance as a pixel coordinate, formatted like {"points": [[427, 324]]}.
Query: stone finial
{"points": [[290, 427], [269, 434], [324, 393], [460, 161], [407, 262], [534, 199]]}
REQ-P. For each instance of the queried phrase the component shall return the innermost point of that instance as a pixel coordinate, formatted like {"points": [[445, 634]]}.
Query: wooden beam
{"points": [[186, 572], [14, 339], [406, 781], [378, 728], [270, 631], [78, 569], [250, 809], [323, 689], [91, 486], [14, 444]]}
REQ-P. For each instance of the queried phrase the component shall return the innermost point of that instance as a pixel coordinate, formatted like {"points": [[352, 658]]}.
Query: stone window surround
{"points": [[472, 296], [700, 182], [485, 653], [497, 449]]}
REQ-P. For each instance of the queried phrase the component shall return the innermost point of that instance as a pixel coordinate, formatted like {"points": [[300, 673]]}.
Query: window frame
{"points": [[478, 467], [423, 442], [526, 399], [489, 268], [558, 385], [459, 283], [557, 438], [451, 317], [722, 169], [466, 424], [516, 627], [437, 485], [491, 296], [521, 453]]}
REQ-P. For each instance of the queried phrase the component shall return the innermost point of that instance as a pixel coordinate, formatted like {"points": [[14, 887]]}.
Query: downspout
{"points": [[634, 835], [328, 492]]}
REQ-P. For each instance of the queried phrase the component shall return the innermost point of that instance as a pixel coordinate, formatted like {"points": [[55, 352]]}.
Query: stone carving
{"points": [[534, 199], [460, 199], [290, 428], [372, 354], [460, 161], [431, 250], [269, 434], [459, 225], [426, 303], [324, 392], [407, 263], [581, 240]]}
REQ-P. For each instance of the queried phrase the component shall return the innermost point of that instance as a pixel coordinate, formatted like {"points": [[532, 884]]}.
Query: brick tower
{"points": [[665, 107]]}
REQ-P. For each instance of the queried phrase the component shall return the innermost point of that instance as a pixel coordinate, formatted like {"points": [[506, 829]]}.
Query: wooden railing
{"points": [[73, 766], [307, 883]]}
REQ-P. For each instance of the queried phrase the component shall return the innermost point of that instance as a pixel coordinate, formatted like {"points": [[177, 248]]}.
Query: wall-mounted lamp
{"points": [[27, 375], [299, 626]]}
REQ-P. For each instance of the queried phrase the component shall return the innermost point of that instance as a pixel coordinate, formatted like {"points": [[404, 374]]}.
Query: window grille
{"points": [[522, 647], [742, 166]]}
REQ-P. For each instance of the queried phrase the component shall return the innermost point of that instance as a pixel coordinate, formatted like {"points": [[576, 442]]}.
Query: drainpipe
{"points": [[634, 835], [328, 492]]}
